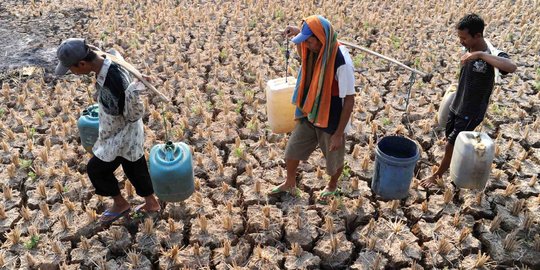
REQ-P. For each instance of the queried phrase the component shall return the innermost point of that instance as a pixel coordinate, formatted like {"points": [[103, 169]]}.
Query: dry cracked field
{"points": [[213, 58]]}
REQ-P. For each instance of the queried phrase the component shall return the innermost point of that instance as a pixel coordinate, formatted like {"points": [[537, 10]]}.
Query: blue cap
{"points": [[303, 35]]}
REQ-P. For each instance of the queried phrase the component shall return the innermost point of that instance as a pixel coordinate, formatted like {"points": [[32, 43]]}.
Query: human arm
{"points": [[134, 107], [291, 31], [502, 63], [337, 138], [345, 77]]}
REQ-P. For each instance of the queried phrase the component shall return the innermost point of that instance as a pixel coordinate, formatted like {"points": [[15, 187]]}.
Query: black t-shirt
{"points": [[113, 93], [476, 82]]}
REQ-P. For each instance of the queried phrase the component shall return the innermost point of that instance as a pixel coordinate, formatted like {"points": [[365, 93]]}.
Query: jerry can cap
{"points": [[169, 145]]}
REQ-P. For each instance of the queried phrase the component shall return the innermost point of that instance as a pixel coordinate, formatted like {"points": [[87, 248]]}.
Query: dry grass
{"points": [[213, 60]]}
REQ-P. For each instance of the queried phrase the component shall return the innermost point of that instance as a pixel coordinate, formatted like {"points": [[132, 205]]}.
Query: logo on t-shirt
{"points": [[479, 66]]}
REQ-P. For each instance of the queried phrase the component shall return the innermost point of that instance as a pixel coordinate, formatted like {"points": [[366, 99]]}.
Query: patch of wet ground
{"points": [[30, 34]]}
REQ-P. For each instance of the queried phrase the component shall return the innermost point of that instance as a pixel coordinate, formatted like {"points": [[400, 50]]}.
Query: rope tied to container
{"points": [[165, 124], [287, 55], [412, 80]]}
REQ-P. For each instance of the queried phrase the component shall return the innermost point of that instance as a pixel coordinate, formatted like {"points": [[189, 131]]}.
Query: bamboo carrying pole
{"points": [[426, 77], [133, 71]]}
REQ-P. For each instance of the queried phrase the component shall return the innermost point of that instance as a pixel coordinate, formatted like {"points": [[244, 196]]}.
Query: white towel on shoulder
{"points": [[496, 52]]}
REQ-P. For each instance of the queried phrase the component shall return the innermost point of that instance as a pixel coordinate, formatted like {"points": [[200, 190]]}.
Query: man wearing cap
{"points": [[324, 99], [121, 135]]}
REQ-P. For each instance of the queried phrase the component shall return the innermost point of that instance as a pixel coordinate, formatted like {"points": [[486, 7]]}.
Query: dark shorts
{"points": [[457, 124]]}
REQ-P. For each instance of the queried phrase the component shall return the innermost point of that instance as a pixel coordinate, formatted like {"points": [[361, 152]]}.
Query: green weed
{"points": [[223, 54], [358, 59], [366, 25], [32, 176], [239, 106], [25, 163], [32, 132], [346, 170], [497, 109], [32, 243], [416, 62], [137, 215], [489, 124], [278, 14], [252, 24], [103, 36], [249, 94], [209, 106], [239, 152], [396, 42]]}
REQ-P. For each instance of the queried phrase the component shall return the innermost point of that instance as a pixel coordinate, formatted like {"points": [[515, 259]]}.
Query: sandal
{"points": [[325, 195], [108, 217]]}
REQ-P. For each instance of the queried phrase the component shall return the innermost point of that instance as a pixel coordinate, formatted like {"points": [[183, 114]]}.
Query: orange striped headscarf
{"points": [[313, 90]]}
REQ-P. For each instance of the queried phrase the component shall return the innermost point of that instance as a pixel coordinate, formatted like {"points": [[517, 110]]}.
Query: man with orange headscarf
{"points": [[324, 99]]}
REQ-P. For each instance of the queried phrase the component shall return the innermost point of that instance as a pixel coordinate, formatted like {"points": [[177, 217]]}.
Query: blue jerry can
{"points": [[88, 125], [171, 171]]}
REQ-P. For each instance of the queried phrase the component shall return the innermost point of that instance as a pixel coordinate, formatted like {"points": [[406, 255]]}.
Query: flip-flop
{"points": [[293, 191], [115, 216], [139, 211], [327, 194]]}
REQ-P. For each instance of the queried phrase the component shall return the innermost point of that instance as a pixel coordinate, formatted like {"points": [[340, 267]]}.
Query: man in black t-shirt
{"points": [[479, 68]]}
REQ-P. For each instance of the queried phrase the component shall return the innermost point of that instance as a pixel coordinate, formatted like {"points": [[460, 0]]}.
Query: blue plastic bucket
{"points": [[395, 159]]}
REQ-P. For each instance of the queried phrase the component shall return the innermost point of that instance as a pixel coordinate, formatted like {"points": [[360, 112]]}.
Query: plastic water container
{"points": [[444, 108], [88, 125], [171, 171], [471, 161], [395, 160], [279, 107]]}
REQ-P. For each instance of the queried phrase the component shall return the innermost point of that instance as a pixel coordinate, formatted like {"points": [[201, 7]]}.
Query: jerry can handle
{"points": [[477, 137], [169, 150]]}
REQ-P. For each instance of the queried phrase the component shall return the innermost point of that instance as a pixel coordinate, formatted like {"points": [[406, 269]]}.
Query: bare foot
{"points": [[151, 205], [429, 182], [282, 189], [119, 205]]}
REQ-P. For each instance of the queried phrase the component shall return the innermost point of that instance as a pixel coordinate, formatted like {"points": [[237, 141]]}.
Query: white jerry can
{"points": [[444, 108], [279, 107], [472, 158]]}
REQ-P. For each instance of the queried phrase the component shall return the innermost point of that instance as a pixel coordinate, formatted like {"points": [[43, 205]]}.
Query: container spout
{"points": [[169, 145], [169, 150], [480, 148], [477, 137]]}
